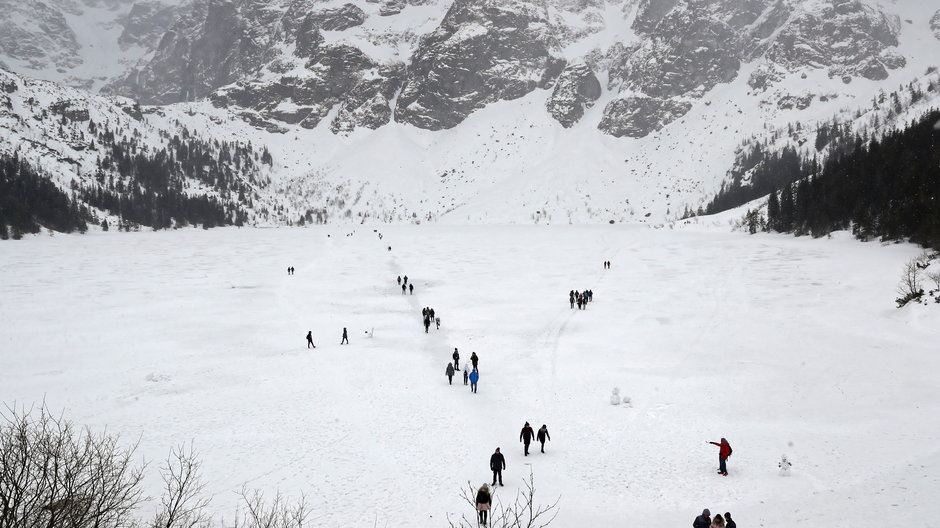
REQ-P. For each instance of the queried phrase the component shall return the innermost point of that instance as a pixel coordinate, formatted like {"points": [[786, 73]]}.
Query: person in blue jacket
{"points": [[474, 378]]}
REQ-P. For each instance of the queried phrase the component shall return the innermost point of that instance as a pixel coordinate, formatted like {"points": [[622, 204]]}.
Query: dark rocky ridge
{"points": [[483, 51]]}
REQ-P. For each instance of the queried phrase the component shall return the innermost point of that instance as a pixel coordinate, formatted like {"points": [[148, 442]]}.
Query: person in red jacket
{"points": [[724, 451]]}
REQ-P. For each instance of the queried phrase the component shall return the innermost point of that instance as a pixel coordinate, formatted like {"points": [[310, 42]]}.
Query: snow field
{"points": [[781, 345]]}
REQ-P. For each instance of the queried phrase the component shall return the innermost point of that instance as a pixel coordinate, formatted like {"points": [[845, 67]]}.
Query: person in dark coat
{"points": [[484, 501], [525, 436], [474, 378], [704, 520], [427, 323], [399, 280], [345, 337], [411, 289], [466, 375], [724, 451], [571, 299], [543, 435], [728, 522], [474, 359], [456, 357], [450, 374], [403, 288], [497, 464], [310, 340], [405, 280]]}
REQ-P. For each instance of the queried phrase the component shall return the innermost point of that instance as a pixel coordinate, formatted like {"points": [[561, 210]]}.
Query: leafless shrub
{"points": [[278, 513], [55, 475], [522, 512], [183, 504]]}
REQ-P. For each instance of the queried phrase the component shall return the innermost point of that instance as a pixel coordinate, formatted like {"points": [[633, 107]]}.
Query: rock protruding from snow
{"points": [[483, 51], [650, 12], [575, 91], [369, 103], [340, 18], [639, 116]]}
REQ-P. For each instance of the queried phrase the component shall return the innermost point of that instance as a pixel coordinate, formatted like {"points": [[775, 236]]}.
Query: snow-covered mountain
{"points": [[485, 110]]}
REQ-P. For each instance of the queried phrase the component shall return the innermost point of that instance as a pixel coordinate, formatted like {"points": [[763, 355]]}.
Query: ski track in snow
{"points": [[779, 344]]}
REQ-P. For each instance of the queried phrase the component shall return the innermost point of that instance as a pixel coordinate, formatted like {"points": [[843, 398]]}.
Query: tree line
{"points": [[888, 187]]}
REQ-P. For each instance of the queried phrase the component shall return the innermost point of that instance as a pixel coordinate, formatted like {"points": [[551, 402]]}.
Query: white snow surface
{"points": [[779, 344]]}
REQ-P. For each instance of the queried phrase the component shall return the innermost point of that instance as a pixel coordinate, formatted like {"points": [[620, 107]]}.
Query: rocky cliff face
{"points": [[36, 35], [146, 23], [483, 51], [432, 63]]}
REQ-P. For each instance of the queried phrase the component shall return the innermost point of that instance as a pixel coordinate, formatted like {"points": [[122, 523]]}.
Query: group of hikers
{"points": [[471, 377], [428, 315], [580, 298], [705, 520], [484, 498], [404, 282]]}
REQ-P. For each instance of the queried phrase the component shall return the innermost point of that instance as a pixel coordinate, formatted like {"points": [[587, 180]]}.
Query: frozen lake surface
{"points": [[782, 345]]}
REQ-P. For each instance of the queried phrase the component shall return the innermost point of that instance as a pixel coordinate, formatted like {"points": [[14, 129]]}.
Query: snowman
{"points": [[784, 466]]}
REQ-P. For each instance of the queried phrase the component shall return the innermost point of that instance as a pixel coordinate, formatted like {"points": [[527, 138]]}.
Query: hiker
{"points": [[543, 435], [345, 337], [405, 280], [288, 271], [310, 340], [465, 376], [431, 313], [474, 378], [704, 520], [729, 523], [571, 299], [724, 451], [403, 287], [411, 289], [484, 499], [450, 374], [497, 464], [474, 359], [718, 522], [437, 321], [427, 323], [525, 436], [456, 357], [399, 280]]}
